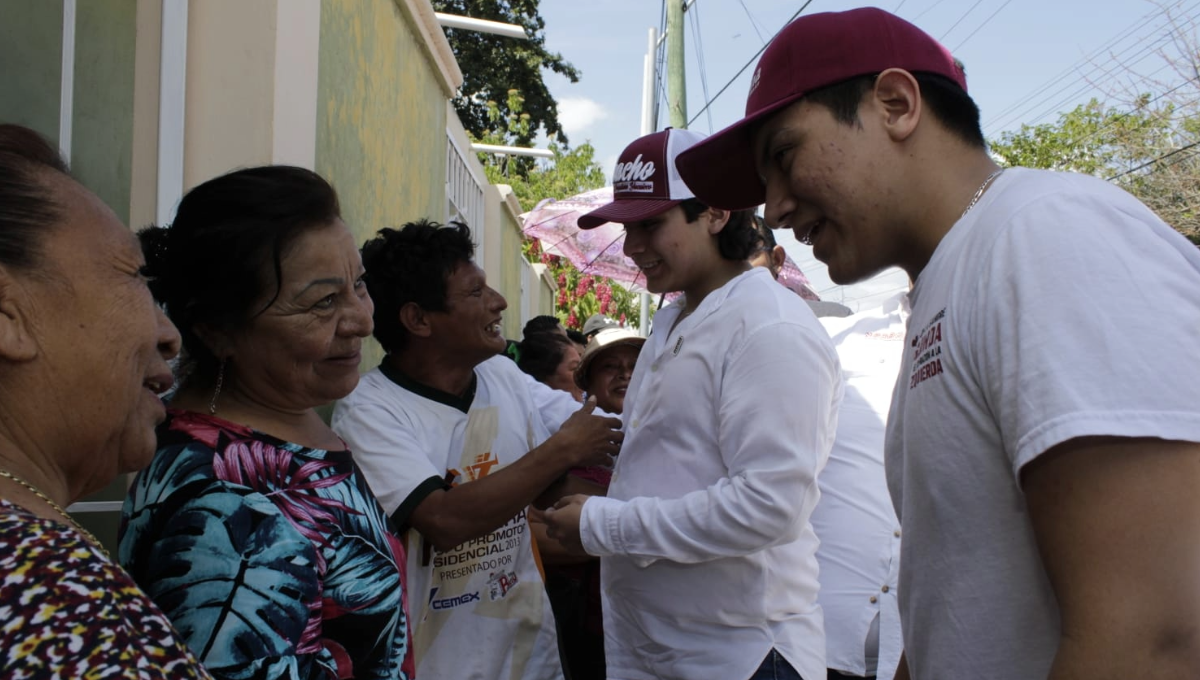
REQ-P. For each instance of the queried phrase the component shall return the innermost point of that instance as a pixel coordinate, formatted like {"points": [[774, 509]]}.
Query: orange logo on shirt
{"points": [[481, 467]]}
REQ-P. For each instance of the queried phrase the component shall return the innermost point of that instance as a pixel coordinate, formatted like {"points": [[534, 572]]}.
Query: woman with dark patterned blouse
{"points": [[252, 528], [83, 354]]}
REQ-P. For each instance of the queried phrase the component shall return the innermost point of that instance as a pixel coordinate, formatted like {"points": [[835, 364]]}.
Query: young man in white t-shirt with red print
{"points": [[1043, 448]]}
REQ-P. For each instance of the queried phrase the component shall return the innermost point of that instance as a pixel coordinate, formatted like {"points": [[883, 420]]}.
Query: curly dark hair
{"points": [[541, 353], [738, 239], [412, 264], [219, 263], [544, 323]]}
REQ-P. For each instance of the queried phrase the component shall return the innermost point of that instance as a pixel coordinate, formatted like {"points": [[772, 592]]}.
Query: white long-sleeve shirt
{"points": [[708, 559], [855, 520]]}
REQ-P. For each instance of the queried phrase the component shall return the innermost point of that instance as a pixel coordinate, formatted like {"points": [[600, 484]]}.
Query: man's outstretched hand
{"points": [[562, 522], [588, 438]]}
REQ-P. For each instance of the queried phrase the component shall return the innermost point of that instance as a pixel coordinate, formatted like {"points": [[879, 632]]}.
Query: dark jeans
{"points": [[775, 667], [834, 675]]}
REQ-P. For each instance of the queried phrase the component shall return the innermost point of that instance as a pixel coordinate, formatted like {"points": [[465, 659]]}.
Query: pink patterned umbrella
{"points": [[599, 251]]}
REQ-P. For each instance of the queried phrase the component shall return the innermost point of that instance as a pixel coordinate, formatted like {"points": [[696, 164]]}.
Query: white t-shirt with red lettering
{"points": [[1058, 307]]}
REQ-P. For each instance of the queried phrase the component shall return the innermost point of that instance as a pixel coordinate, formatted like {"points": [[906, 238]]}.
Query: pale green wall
{"points": [[102, 115], [511, 264], [381, 121], [102, 124], [31, 59], [545, 298]]}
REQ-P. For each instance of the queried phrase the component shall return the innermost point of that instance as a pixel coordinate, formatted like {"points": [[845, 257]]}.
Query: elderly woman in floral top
{"points": [[252, 528], [83, 354]]}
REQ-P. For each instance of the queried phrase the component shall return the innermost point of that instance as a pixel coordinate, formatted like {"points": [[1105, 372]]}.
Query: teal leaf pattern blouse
{"points": [[273, 560]]}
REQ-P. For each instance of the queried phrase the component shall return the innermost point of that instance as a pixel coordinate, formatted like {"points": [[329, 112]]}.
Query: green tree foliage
{"points": [[1147, 149], [570, 172], [493, 64], [1093, 139]]}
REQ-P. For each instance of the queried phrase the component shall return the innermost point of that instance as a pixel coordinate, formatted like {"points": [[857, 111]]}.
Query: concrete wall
{"points": [[102, 121], [512, 262], [542, 297], [380, 120], [251, 85], [381, 116], [31, 52], [529, 290]]}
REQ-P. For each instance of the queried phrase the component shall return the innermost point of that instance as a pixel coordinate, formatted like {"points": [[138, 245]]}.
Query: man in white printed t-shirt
{"points": [[707, 557], [855, 519], [1043, 445], [456, 443]]}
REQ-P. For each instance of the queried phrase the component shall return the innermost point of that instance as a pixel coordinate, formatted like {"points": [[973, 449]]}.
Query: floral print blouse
{"points": [[67, 611], [273, 560]]}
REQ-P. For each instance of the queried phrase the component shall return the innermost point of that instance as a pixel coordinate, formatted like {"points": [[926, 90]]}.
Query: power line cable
{"points": [[1074, 67], [1152, 161], [700, 57], [1014, 111], [660, 57], [1087, 85], [960, 20], [927, 10], [1126, 114], [1005, 117], [1083, 82], [747, 65], [979, 27], [753, 23]]}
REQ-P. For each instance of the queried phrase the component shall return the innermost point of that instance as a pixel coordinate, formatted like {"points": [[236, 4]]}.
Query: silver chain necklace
{"points": [[979, 192]]}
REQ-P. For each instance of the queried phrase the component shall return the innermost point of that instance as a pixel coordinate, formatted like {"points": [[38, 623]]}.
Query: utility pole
{"points": [[648, 77], [676, 91]]}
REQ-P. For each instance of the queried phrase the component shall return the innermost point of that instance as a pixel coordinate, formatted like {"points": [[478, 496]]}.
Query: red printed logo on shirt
{"points": [[926, 348]]}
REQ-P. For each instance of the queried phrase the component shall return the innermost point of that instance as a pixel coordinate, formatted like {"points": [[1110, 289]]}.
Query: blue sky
{"points": [[1026, 60]]}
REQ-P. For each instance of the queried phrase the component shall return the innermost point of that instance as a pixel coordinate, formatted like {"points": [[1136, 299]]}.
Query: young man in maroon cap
{"points": [[1043, 449], [708, 559]]}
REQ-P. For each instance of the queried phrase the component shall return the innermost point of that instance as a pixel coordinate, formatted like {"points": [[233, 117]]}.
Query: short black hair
{"points": [[764, 236], [576, 337], [737, 239], [412, 264], [544, 323], [222, 255], [948, 102], [541, 354], [27, 203]]}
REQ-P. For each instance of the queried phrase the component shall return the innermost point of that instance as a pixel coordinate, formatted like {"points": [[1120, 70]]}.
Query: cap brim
{"points": [[626, 211], [721, 170]]}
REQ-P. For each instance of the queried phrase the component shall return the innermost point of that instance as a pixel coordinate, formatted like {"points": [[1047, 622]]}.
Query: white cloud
{"points": [[577, 114]]}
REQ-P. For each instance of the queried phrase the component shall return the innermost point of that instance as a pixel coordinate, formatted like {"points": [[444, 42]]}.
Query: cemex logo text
{"points": [[451, 602]]}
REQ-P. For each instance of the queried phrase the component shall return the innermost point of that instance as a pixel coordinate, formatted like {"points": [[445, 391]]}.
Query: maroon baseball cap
{"points": [[645, 181], [812, 52]]}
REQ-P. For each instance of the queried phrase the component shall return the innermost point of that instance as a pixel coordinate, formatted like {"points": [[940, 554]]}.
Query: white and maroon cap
{"points": [[646, 182], [812, 52]]}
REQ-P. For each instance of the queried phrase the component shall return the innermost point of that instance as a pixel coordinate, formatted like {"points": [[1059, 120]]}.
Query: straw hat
{"points": [[601, 342]]}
